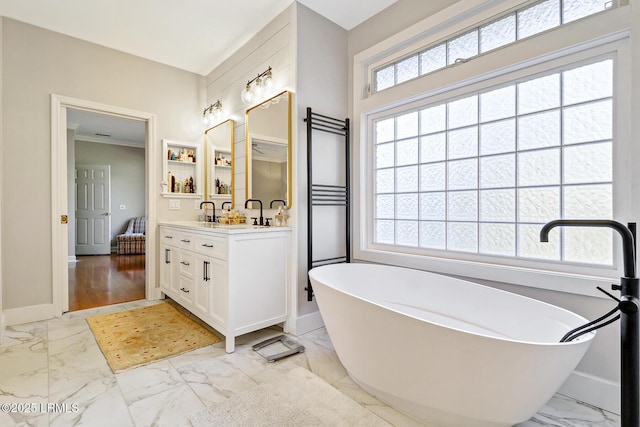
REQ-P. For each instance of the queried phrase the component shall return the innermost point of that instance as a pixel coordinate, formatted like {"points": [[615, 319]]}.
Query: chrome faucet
{"points": [[259, 201], [629, 306], [213, 215]]}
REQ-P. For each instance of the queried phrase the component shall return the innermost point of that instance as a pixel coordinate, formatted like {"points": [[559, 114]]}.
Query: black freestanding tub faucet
{"points": [[629, 317]]}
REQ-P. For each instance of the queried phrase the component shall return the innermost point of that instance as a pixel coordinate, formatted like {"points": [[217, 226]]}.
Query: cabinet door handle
{"points": [[167, 258], [168, 237], [207, 246], [206, 277], [186, 291], [184, 263], [185, 241]]}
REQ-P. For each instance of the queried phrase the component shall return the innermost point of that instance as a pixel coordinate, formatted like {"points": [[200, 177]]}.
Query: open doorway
{"points": [[106, 176]]}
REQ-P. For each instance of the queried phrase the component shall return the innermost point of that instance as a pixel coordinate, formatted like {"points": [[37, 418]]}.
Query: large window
{"points": [[482, 173], [458, 169]]}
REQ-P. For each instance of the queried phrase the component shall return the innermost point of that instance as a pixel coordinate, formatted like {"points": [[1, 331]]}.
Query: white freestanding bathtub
{"points": [[446, 351]]}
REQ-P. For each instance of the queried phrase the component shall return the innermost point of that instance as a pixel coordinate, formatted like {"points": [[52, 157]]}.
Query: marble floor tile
{"points": [[59, 363], [215, 380], [170, 408]]}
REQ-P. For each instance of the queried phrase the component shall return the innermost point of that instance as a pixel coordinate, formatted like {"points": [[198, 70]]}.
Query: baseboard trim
{"points": [[308, 323], [72, 258], [592, 390], [32, 313]]}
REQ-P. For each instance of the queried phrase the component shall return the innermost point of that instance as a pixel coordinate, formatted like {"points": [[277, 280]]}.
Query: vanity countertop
{"points": [[214, 227]]}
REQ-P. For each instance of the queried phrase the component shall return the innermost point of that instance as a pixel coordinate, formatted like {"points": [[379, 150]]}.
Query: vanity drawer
{"points": [[211, 246], [186, 263], [169, 236]]}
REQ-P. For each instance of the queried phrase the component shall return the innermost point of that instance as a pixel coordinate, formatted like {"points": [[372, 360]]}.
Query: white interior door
{"points": [[93, 215]]}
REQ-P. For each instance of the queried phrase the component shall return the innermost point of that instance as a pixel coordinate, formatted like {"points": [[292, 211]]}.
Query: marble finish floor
{"points": [[56, 369]]}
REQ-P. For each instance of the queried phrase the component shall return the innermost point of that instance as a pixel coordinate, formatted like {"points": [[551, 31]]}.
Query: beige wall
{"points": [[37, 63]]}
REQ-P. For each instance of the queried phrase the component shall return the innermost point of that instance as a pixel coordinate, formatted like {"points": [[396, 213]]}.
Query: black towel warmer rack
{"points": [[326, 195]]}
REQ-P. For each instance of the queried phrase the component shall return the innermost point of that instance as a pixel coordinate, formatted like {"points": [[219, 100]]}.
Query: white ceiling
{"points": [[193, 35]]}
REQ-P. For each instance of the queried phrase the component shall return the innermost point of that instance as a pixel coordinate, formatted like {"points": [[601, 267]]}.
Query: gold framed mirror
{"points": [[219, 166], [268, 150]]}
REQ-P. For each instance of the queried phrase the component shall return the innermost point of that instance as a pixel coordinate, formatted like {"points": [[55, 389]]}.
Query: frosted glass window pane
{"points": [[498, 171], [498, 104], [432, 206], [463, 112], [576, 9], [407, 179], [433, 148], [385, 231], [385, 181], [588, 122], [588, 83], [588, 201], [385, 77], [385, 130], [588, 163], [498, 137], [541, 204], [432, 235], [433, 59], [432, 177], [539, 130], [462, 237], [407, 152], [384, 155], [590, 245], [464, 46], [407, 69], [407, 206], [433, 119], [539, 94], [530, 246], [407, 233], [463, 143], [498, 239], [498, 33], [407, 125], [538, 18], [539, 168], [463, 174], [385, 206], [498, 205], [462, 206]]}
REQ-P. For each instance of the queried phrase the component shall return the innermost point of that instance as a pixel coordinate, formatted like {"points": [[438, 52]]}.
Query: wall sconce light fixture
{"points": [[257, 87], [212, 114]]}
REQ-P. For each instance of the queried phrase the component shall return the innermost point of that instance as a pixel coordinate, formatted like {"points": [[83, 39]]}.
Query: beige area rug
{"points": [[296, 398], [143, 335]]}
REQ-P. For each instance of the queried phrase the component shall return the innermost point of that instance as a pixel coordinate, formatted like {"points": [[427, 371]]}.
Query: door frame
{"points": [[59, 196]]}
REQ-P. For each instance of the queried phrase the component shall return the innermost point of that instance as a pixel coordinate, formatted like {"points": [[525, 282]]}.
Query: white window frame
{"points": [[597, 36]]}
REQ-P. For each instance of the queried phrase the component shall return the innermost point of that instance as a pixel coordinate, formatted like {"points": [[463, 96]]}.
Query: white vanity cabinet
{"points": [[234, 278]]}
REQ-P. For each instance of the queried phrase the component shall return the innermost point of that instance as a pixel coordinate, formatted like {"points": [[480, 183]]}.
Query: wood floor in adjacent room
{"points": [[99, 280]]}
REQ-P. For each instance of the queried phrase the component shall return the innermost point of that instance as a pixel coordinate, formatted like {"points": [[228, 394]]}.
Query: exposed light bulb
{"points": [[247, 95], [268, 80], [258, 89]]}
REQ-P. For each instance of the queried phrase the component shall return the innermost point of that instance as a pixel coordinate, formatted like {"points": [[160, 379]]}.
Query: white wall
{"points": [[37, 63], [322, 84], [127, 179]]}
